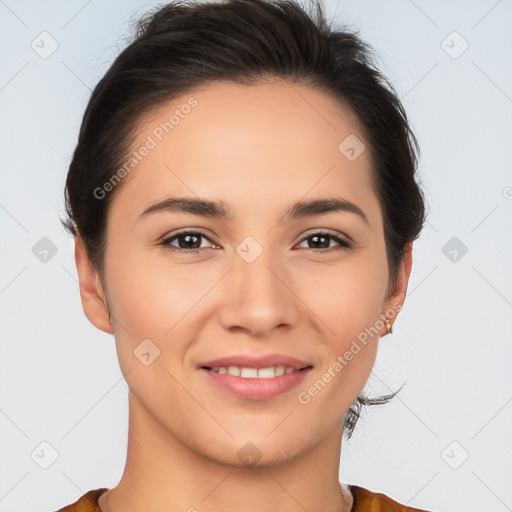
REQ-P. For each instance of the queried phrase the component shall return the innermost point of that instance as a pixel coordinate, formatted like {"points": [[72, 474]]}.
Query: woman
{"points": [[244, 203]]}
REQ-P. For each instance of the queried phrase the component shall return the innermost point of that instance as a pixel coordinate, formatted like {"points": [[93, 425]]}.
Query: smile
{"points": [[255, 384]]}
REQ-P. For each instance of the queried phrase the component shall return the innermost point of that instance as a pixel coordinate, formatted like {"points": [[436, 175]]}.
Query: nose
{"points": [[258, 298]]}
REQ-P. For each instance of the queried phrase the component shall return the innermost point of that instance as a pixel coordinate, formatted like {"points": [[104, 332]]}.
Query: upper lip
{"points": [[258, 362]]}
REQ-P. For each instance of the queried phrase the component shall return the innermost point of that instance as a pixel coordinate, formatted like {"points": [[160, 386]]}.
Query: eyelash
{"points": [[343, 244]]}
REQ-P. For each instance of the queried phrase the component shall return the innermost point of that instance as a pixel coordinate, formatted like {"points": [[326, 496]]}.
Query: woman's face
{"points": [[266, 279]]}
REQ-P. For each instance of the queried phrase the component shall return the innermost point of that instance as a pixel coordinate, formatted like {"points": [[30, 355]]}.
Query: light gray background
{"points": [[60, 378]]}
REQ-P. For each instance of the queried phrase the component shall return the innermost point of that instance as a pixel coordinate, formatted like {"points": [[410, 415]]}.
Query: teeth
{"points": [[253, 373]]}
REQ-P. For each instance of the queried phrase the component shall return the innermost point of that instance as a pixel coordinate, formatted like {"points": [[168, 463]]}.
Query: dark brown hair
{"points": [[184, 45]]}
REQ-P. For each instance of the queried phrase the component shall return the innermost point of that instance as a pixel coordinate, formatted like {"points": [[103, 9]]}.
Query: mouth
{"points": [[256, 373], [255, 383]]}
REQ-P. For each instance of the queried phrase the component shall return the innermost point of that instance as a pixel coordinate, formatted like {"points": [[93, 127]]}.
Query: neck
{"points": [[164, 474]]}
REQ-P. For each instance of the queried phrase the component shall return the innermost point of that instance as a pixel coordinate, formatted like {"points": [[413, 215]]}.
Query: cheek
{"points": [[348, 301], [151, 296], [153, 299], [349, 353], [347, 297]]}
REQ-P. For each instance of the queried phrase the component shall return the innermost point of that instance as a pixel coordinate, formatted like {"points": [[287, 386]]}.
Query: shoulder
{"points": [[87, 503], [368, 501]]}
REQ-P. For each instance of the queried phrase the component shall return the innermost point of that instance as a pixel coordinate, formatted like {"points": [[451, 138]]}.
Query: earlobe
{"points": [[91, 291], [395, 301]]}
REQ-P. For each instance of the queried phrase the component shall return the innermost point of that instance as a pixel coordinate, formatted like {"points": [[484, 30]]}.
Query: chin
{"points": [[255, 452]]}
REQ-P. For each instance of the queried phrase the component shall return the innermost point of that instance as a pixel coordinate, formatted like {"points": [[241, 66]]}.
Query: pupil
{"points": [[187, 239], [316, 238]]}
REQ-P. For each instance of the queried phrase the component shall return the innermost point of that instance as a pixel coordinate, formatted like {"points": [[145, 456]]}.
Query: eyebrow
{"points": [[217, 209]]}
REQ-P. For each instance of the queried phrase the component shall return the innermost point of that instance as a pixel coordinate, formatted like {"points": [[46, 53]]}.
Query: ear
{"points": [[91, 291], [395, 300]]}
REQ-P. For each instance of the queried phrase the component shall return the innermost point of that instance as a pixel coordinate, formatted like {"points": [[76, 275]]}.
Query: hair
{"points": [[185, 45]]}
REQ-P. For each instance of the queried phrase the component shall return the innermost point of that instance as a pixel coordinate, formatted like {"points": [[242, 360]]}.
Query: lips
{"points": [[255, 388], [258, 362]]}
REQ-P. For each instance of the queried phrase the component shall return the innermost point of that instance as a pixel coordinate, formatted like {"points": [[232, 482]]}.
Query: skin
{"points": [[259, 149]]}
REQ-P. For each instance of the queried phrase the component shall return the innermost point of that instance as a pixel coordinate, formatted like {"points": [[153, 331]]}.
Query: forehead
{"points": [[263, 143]]}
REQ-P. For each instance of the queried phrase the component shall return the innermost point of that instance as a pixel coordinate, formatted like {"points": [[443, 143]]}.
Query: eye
{"points": [[321, 238], [191, 241], [188, 241]]}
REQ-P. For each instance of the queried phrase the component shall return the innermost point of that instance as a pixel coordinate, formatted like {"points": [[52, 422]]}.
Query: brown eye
{"points": [[322, 240], [187, 241]]}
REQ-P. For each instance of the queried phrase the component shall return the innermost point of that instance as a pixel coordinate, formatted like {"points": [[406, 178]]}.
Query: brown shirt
{"points": [[364, 501]]}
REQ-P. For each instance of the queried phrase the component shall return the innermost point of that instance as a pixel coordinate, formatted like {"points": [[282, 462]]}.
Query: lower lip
{"points": [[256, 389]]}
